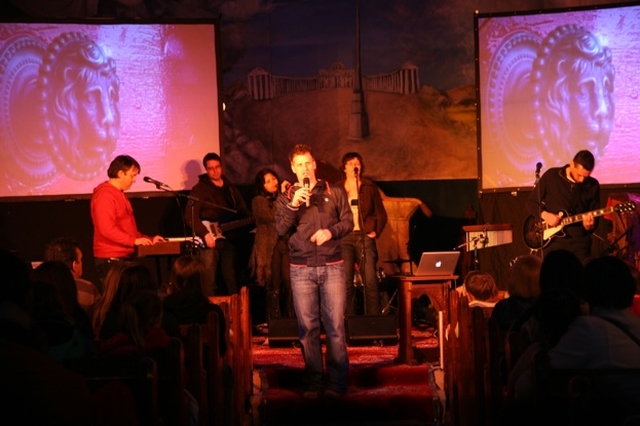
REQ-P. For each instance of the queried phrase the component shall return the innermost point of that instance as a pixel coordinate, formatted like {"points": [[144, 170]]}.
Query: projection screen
{"points": [[552, 83], [73, 96]]}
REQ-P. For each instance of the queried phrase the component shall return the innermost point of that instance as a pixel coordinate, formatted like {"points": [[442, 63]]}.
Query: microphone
{"points": [[538, 167], [355, 171], [155, 182], [306, 184]]}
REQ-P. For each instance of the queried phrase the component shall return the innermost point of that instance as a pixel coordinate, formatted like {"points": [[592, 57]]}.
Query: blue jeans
{"points": [[319, 295], [360, 249]]}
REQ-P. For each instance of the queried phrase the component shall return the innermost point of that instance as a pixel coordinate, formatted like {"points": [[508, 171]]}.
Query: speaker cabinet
{"points": [[372, 330], [283, 332]]}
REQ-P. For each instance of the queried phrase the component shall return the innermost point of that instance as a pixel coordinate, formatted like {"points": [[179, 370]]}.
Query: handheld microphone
{"points": [[306, 184], [155, 182], [355, 171], [538, 167]]}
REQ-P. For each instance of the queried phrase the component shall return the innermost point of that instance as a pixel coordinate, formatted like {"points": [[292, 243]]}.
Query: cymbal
{"points": [[397, 261]]}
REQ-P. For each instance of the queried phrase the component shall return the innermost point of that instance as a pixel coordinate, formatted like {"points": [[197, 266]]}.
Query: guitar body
{"points": [[537, 234]]}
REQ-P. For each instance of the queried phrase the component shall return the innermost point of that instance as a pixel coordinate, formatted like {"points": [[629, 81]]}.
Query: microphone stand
{"points": [[539, 218], [363, 270]]}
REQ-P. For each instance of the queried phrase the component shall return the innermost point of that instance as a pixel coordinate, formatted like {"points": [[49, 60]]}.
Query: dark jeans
{"points": [[220, 262], [279, 297], [360, 249]]}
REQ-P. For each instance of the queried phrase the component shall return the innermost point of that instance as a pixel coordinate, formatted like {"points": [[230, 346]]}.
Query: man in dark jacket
{"points": [[319, 217], [216, 206]]}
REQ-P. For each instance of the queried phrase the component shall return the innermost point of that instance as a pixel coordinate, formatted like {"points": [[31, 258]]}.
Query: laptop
{"points": [[437, 263]]}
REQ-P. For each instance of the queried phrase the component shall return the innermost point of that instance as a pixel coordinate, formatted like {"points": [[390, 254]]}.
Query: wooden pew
{"points": [[467, 362], [494, 386], [204, 369], [237, 314], [172, 403]]}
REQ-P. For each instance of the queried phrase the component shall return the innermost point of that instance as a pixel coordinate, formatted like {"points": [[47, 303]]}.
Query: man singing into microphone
{"points": [[569, 189], [319, 217], [115, 233], [359, 247]]}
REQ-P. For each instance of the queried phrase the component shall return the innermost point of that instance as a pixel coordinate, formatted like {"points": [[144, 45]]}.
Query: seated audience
{"points": [[67, 250], [34, 389], [523, 288], [608, 338]]}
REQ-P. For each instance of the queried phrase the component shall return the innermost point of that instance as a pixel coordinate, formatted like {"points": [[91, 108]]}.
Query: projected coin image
{"points": [[31, 165], [80, 91], [546, 99], [573, 83]]}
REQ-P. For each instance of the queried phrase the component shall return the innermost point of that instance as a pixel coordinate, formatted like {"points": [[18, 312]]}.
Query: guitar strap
{"points": [[623, 328]]}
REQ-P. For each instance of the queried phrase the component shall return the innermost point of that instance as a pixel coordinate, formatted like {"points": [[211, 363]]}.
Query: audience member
{"points": [[64, 340], [59, 275], [481, 289], [559, 269], [186, 302], [138, 331], [555, 310], [270, 255], [523, 287], [134, 279], [67, 250]]}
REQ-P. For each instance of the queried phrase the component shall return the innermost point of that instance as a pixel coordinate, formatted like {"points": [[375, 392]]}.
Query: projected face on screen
{"points": [[80, 90], [553, 83], [75, 95], [572, 79]]}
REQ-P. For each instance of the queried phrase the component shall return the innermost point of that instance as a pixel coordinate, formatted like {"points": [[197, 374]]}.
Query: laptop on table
{"points": [[437, 263]]}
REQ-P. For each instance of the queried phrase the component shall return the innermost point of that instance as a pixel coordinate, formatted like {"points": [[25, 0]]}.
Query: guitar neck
{"points": [[580, 217], [236, 224]]}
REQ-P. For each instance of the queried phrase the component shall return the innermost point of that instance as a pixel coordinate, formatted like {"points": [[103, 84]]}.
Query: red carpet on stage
{"points": [[381, 391]]}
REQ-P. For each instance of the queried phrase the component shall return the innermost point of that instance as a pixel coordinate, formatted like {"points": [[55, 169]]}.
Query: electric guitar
{"points": [[538, 234], [217, 229]]}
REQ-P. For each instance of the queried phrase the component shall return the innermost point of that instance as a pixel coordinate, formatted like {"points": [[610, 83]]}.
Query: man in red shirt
{"points": [[115, 233]]}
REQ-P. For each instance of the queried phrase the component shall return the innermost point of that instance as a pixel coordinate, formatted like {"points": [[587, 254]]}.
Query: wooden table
{"points": [[436, 288]]}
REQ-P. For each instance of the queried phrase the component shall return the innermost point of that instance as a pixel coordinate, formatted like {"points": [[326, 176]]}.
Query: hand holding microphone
{"points": [[307, 184], [538, 167]]}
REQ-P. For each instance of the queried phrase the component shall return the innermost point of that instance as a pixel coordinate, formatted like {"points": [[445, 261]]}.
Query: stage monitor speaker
{"points": [[283, 332], [372, 330]]}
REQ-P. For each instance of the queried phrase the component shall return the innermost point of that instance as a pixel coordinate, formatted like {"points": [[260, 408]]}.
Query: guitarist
{"points": [[204, 214], [567, 191]]}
